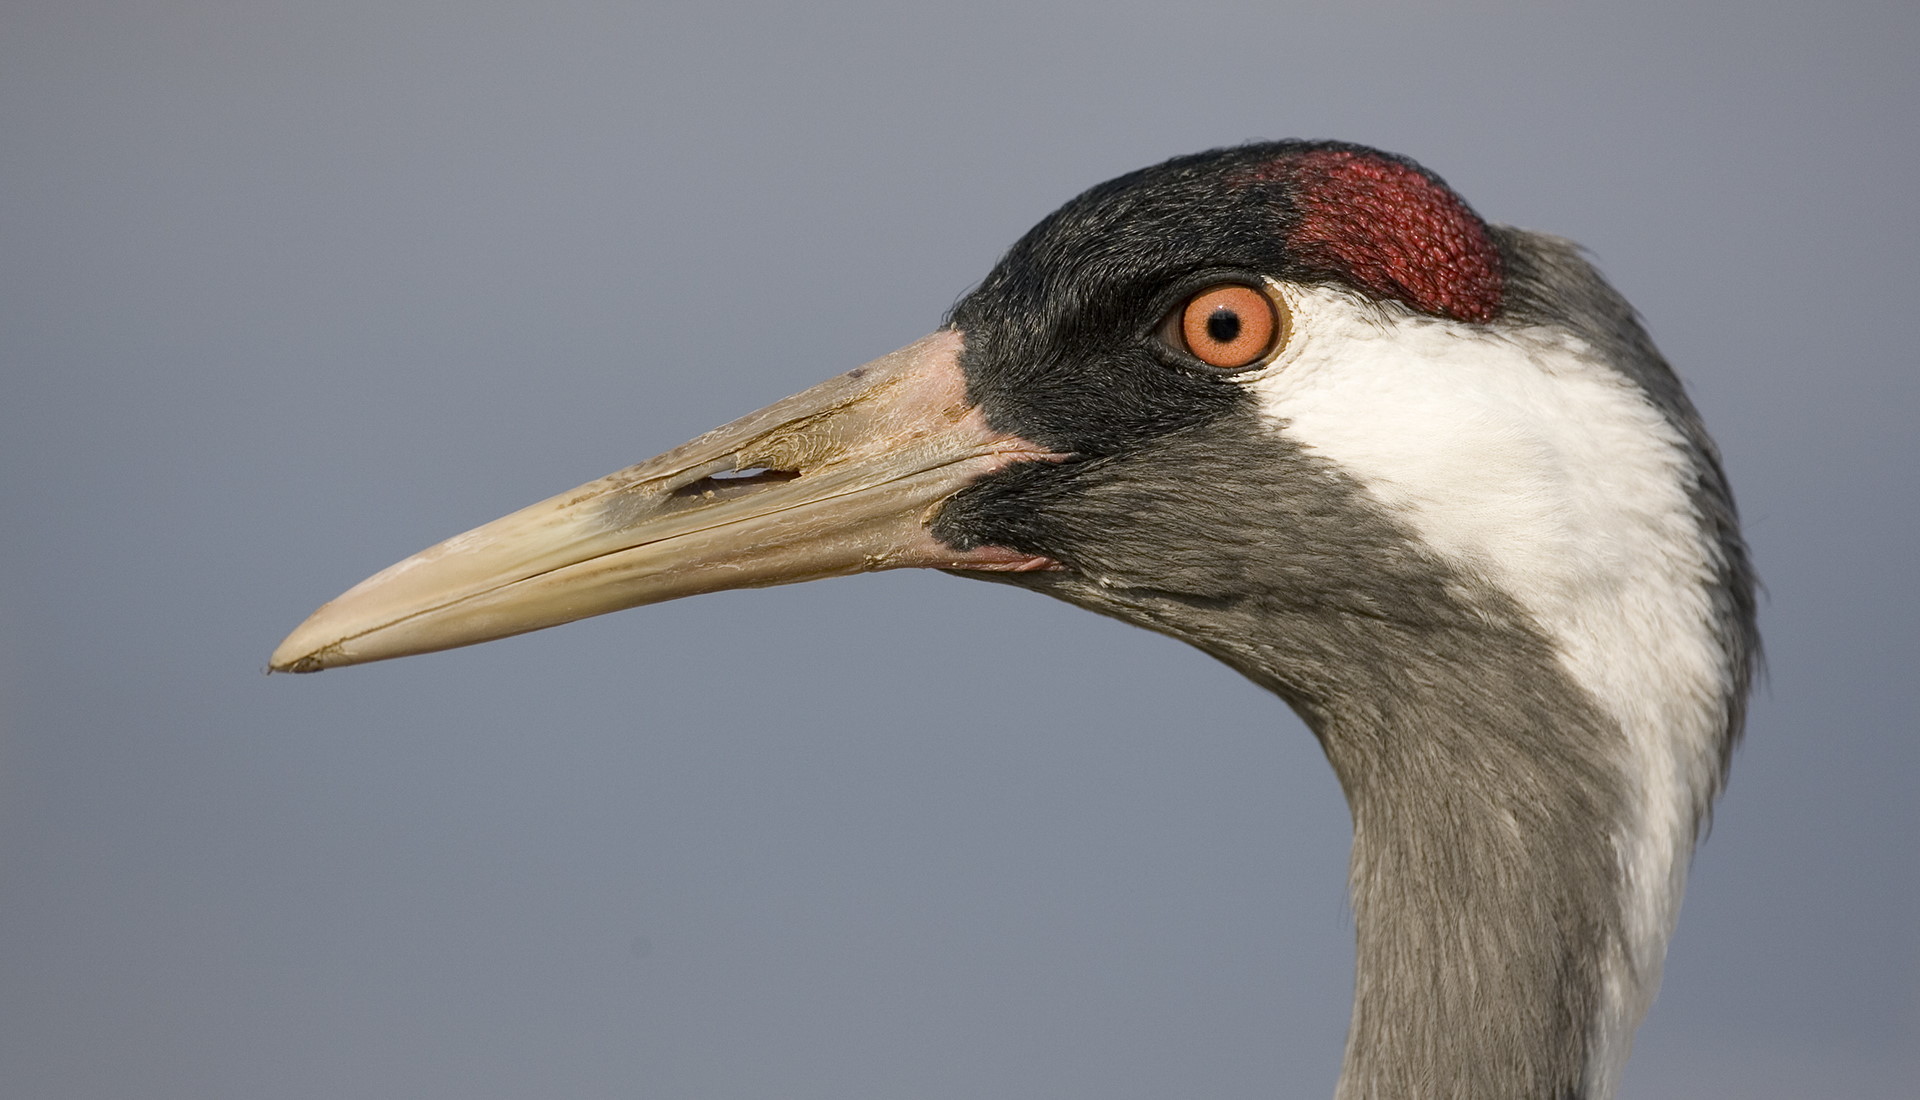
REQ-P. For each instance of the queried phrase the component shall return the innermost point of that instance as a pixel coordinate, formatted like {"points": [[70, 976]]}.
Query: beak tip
{"points": [[302, 652]]}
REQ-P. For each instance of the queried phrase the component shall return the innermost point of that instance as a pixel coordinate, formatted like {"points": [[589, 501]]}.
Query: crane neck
{"points": [[1487, 900], [1512, 884], [1503, 945]]}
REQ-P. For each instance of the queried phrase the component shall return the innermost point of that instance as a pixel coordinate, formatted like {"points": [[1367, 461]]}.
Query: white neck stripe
{"points": [[1525, 461]]}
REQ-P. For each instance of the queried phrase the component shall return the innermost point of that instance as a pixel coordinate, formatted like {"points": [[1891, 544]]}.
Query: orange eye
{"points": [[1229, 326]]}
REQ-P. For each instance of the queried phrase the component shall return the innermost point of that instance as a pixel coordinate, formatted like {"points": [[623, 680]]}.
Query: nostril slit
{"points": [[753, 473], [726, 481]]}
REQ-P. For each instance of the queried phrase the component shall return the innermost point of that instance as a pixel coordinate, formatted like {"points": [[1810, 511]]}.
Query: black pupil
{"points": [[1223, 325]]}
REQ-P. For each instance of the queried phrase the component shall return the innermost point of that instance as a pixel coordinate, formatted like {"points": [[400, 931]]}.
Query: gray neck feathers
{"points": [[1485, 887], [1482, 780]]}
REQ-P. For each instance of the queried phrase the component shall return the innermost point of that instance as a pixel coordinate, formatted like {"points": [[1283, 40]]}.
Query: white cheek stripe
{"points": [[1526, 462]]}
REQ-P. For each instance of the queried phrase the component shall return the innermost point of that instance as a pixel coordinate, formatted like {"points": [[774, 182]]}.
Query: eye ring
{"points": [[1228, 326]]}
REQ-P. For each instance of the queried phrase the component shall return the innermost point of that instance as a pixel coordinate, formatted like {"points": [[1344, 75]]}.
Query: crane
{"points": [[1424, 477]]}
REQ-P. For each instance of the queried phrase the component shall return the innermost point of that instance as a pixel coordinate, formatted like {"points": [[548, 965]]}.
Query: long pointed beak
{"points": [[843, 478]]}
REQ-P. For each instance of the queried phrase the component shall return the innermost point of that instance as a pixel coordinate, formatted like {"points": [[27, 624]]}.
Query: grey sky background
{"points": [[291, 290]]}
